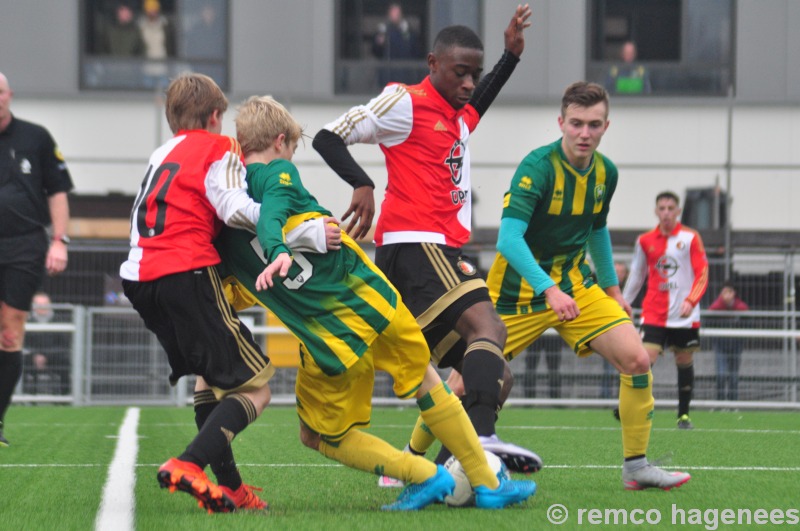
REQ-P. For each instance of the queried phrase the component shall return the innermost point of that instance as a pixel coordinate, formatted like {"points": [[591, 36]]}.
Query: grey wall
{"points": [[768, 50], [287, 48]]}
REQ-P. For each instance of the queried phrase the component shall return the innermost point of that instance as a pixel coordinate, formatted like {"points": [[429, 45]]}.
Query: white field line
{"points": [[118, 503], [336, 465]]}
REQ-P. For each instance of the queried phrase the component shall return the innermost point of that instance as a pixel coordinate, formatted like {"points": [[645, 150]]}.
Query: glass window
{"points": [[379, 41], [141, 44], [661, 47]]}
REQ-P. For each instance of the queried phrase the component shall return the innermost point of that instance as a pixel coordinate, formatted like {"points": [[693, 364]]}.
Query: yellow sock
{"points": [[636, 412], [366, 452], [421, 437], [447, 420]]}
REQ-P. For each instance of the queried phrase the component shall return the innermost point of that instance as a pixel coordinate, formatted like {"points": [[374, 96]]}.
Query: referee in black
{"points": [[34, 182]]}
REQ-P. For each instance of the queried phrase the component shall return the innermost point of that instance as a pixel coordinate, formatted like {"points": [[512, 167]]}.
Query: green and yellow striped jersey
{"points": [[336, 303], [561, 206]]}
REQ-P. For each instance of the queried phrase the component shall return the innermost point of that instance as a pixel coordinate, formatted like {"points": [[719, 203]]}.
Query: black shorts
{"points": [[676, 339], [22, 268], [200, 331], [437, 283]]}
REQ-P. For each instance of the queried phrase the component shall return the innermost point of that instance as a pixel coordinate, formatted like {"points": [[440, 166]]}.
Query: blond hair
{"points": [[260, 120], [191, 100]]}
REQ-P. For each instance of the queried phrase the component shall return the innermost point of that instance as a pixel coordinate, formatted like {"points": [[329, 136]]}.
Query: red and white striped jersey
{"points": [[194, 183], [676, 269], [424, 140]]}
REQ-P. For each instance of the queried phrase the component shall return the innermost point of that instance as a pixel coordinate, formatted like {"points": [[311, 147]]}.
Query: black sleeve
{"points": [[335, 153], [490, 85]]}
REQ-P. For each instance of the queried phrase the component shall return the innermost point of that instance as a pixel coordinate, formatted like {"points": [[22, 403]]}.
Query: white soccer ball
{"points": [[463, 495]]}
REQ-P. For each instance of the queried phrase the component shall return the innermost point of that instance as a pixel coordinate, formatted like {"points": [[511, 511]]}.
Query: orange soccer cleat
{"points": [[190, 478]]}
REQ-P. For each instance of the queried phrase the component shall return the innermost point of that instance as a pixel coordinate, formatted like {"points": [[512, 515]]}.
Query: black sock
{"points": [[685, 385], [232, 415], [482, 369], [224, 468], [10, 372]]}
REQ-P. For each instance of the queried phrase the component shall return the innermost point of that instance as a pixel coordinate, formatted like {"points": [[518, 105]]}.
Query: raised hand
{"points": [[513, 34]]}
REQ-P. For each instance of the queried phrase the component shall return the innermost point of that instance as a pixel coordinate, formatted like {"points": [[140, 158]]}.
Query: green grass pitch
{"points": [[53, 474]]}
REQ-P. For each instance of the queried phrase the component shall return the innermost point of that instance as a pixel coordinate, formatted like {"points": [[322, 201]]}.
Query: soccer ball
{"points": [[463, 495]]}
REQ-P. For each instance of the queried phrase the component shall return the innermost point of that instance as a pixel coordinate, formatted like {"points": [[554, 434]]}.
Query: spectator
{"points": [[35, 183], [159, 43], [205, 33], [46, 363], [121, 36], [628, 77], [728, 350], [550, 348], [395, 41]]}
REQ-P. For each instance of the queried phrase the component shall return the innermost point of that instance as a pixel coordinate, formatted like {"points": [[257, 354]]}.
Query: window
{"points": [[141, 44], [663, 47], [379, 41]]}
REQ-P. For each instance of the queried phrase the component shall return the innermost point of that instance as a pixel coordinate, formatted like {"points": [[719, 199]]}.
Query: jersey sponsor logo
{"points": [[525, 183], [459, 196], [455, 161], [285, 179], [467, 267], [666, 266], [599, 193], [439, 126]]}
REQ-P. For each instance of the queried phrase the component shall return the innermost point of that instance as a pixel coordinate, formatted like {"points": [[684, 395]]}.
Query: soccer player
{"points": [[423, 131], [557, 205], [350, 321], [194, 184], [673, 259]]}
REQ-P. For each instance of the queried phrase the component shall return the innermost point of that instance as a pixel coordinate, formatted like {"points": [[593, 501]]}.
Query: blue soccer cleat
{"points": [[419, 495], [507, 493]]}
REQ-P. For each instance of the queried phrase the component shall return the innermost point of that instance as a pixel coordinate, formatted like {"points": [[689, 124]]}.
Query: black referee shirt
{"points": [[31, 170]]}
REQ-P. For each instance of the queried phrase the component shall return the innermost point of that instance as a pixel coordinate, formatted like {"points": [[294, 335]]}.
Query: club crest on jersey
{"points": [[599, 193], [455, 161], [680, 246], [666, 266], [467, 267]]}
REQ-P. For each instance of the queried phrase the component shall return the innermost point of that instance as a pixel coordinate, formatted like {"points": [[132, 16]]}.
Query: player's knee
{"points": [[638, 363], [11, 339], [261, 398], [309, 438]]}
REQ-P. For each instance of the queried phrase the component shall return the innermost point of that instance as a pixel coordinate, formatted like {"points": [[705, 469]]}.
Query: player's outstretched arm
{"points": [[514, 33], [280, 266], [334, 152]]}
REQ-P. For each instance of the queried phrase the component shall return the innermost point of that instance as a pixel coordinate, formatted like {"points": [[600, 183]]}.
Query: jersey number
{"points": [[306, 267], [158, 199]]}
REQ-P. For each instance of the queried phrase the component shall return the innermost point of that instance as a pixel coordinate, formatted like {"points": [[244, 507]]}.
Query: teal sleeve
{"points": [[511, 244], [600, 249]]}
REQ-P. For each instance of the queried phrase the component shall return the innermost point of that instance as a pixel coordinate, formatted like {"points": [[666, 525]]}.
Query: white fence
{"points": [[104, 355]]}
